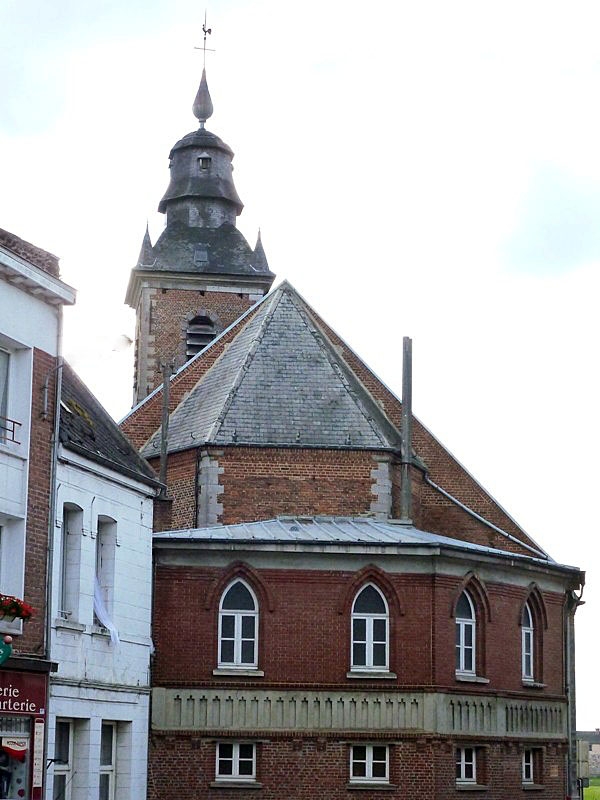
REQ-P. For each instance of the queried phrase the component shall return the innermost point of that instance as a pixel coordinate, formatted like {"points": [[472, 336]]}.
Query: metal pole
{"points": [[164, 433], [406, 490]]}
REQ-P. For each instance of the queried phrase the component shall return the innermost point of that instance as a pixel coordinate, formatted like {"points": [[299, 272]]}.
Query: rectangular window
{"points": [[106, 542], [465, 646], [63, 760], [531, 766], [15, 746], [466, 765], [527, 634], [236, 761], [108, 749], [4, 364], [70, 555], [369, 763]]}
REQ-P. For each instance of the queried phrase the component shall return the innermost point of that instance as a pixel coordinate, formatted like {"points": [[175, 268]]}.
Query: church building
{"points": [[340, 608]]}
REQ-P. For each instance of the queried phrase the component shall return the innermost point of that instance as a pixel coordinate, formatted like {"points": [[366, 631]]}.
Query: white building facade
{"points": [[31, 300], [100, 633]]}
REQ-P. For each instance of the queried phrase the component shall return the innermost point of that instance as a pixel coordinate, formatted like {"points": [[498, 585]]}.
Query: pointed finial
{"points": [[259, 261], [203, 107], [146, 252]]}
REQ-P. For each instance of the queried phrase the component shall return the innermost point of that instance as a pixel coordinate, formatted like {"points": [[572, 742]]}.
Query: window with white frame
{"points": [[465, 635], [108, 752], [70, 561], [527, 634], [238, 627], [63, 760], [369, 763], [466, 765], [370, 630], [531, 766], [236, 761], [106, 541], [4, 365]]}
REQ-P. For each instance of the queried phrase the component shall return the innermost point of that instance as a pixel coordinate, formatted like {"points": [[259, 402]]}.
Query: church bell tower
{"points": [[201, 274]]}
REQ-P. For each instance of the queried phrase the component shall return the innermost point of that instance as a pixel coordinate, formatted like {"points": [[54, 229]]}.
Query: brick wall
{"points": [[311, 768], [40, 455], [304, 633], [146, 418], [170, 312]]}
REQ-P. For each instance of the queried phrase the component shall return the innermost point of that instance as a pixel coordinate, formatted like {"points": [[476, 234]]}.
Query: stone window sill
{"points": [[236, 785], [532, 787], [373, 786], [471, 787], [367, 675], [67, 624], [467, 677], [98, 630], [245, 673], [533, 684]]}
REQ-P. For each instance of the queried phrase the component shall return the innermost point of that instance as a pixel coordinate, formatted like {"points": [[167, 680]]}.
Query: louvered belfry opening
{"points": [[200, 331]]}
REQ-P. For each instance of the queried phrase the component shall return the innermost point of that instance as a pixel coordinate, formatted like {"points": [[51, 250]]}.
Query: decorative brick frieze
{"points": [[433, 713]]}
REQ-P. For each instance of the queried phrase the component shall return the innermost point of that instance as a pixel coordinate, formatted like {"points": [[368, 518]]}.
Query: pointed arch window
{"points": [[238, 627], [370, 630], [527, 643], [465, 635]]}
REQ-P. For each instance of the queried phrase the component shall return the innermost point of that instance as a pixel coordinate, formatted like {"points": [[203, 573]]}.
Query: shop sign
{"points": [[22, 693]]}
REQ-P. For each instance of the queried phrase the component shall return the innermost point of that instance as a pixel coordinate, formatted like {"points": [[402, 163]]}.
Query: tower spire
{"points": [[203, 107]]}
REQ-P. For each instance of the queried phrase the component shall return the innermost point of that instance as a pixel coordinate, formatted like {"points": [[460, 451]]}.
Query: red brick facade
{"points": [[32, 642], [420, 769]]}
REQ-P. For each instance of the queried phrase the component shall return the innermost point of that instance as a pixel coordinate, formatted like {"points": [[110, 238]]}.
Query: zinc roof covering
{"points": [[279, 382], [329, 530]]}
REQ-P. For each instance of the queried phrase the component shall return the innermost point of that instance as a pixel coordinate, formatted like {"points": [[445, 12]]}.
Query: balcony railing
{"points": [[9, 431]]}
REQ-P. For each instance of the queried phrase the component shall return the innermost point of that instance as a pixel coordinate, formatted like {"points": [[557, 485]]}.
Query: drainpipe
{"points": [[164, 432], [572, 602], [51, 513], [405, 461]]}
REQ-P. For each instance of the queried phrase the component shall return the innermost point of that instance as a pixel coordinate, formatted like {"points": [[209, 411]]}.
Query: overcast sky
{"points": [[428, 169]]}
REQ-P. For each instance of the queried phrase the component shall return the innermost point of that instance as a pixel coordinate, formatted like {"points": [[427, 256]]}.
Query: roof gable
{"points": [[279, 382]]}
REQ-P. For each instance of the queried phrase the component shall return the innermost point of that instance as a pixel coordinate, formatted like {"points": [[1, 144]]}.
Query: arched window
{"points": [[200, 331], [527, 634], [370, 630], [238, 627], [465, 635]]}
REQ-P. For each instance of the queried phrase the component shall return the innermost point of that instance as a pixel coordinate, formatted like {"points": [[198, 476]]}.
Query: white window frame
{"points": [[466, 757], [527, 767], [461, 648], [5, 354], [62, 768], [70, 562], [108, 769], [369, 640], [238, 639], [368, 761], [235, 762], [527, 645]]}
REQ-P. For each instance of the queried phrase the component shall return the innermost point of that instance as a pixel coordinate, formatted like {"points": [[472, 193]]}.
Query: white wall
{"points": [[98, 680], [25, 322]]}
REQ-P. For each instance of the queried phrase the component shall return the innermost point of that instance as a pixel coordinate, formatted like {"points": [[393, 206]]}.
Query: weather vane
{"points": [[204, 48]]}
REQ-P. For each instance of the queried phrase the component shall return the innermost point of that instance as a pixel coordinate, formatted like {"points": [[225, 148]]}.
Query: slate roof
{"points": [[226, 251], [345, 531], [279, 382], [88, 429]]}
